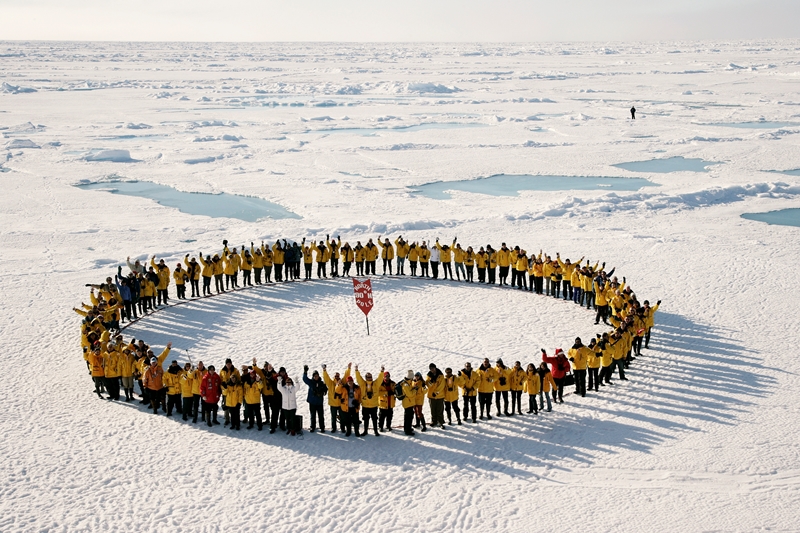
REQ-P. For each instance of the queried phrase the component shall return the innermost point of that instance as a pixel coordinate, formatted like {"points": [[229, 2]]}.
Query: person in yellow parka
{"points": [[111, 371], [459, 255], [207, 272], [359, 255], [481, 261], [323, 255], [445, 259], [469, 263], [162, 270], [127, 362], [193, 270], [451, 384], [424, 259], [403, 250], [649, 320], [370, 256], [232, 262], [517, 379], [252, 386], [278, 258], [548, 384], [486, 388], [370, 400], [436, 390], [418, 390], [246, 265], [334, 399], [181, 277], [503, 256], [233, 401], [351, 397], [501, 386], [225, 375], [469, 380], [409, 400], [308, 258], [95, 359], [333, 247], [579, 357], [386, 401], [387, 254], [593, 363], [348, 256], [186, 384], [173, 384], [532, 384], [567, 269]]}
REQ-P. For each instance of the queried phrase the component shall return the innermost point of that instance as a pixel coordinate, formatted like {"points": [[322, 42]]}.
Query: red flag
{"points": [[363, 293]]}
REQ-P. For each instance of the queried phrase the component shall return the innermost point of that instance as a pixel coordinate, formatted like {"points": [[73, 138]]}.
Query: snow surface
{"points": [[703, 438]]}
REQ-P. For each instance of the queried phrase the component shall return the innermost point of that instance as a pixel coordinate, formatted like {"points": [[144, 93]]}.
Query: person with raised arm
{"points": [[424, 259], [459, 254], [387, 254], [288, 403], [334, 249], [350, 394], [317, 390], [153, 380], [369, 399], [559, 371], [232, 261], [322, 256], [370, 257], [445, 257], [649, 313], [253, 385], [207, 272], [348, 256], [278, 259], [402, 248], [334, 399], [386, 401], [246, 264], [193, 271], [359, 253], [162, 288]]}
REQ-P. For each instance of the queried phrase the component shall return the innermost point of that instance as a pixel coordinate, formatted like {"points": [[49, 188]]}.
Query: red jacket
{"points": [[559, 366], [211, 388]]}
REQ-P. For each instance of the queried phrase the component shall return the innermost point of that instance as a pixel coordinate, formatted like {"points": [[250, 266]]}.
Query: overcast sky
{"points": [[398, 20]]}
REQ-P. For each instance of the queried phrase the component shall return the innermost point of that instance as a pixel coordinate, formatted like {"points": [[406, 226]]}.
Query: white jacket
{"points": [[435, 254], [288, 396]]}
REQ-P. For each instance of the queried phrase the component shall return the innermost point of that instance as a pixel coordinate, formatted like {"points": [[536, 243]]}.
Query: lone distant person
{"points": [[633, 113]]}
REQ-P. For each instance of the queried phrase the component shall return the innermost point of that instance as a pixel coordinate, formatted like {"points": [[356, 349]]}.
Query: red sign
{"points": [[363, 293]]}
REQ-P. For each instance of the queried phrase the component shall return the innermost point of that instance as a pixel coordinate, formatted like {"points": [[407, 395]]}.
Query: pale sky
{"points": [[398, 20]]}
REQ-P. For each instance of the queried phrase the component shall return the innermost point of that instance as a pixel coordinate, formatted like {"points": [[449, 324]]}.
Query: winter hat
{"points": [[153, 360], [418, 375], [385, 375], [559, 351], [349, 379], [410, 374]]}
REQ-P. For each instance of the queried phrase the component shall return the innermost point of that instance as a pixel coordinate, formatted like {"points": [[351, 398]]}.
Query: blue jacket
{"points": [[124, 291], [317, 390]]}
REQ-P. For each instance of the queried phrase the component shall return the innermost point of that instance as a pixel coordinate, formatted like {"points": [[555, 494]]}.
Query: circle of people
{"points": [[194, 390]]}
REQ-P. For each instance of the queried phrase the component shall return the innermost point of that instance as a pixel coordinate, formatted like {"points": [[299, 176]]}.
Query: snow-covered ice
{"points": [[703, 438]]}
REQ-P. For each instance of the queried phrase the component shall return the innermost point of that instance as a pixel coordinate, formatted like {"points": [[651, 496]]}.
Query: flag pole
{"points": [[367, 317]]}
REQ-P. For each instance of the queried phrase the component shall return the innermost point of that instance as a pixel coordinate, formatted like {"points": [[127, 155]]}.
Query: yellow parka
{"points": [[548, 383], [503, 257], [532, 384], [487, 377], [469, 383], [370, 252], [517, 378], [369, 390], [501, 384], [579, 357], [409, 394], [402, 248], [334, 400], [387, 250], [208, 267], [386, 397], [344, 393], [234, 395], [451, 388], [278, 254], [252, 392], [435, 387], [186, 382]]}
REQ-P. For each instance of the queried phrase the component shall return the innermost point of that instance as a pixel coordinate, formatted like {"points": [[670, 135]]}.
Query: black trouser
{"points": [[334, 267], [386, 263], [435, 269], [99, 384], [605, 373], [516, 401], [346, 268], [253, 411], [181, 290], [296, 269], [454, 406], [209, 410], [485, 402], [246, 278], [481, 275], [195, 406], [236, 416], [567, 288], [423, 267], [350, 421], [258, 275], [503, 275], [268, 274], [637, 345], [491, 271], [219, 285], [308, 269], [437, 411], [359, 268], [206, 285], [336, 415], [532, 405], [187, 406], [408, 419], [594, 378], [278, 272], [447, 268], [619, 363], [370, 267], [269, 410], [174, 401], [317, 413], [413, 265], [134, 305], [163, 296], [195, 287], [385, 419], [556, 287], [112, 388], [275, 405], [539, 280], [288, 416], [126, 314], [602, 314], [469, 402], [558, 394], [521, 282], [370, 413], [647, 338], [497, 395], [470, 269], [322, 269], [156, 398], [580, 381], [514, 275], [589, 299]]}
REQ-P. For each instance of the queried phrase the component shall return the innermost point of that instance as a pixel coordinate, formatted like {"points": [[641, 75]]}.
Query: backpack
{"points": [[398, 391]]}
